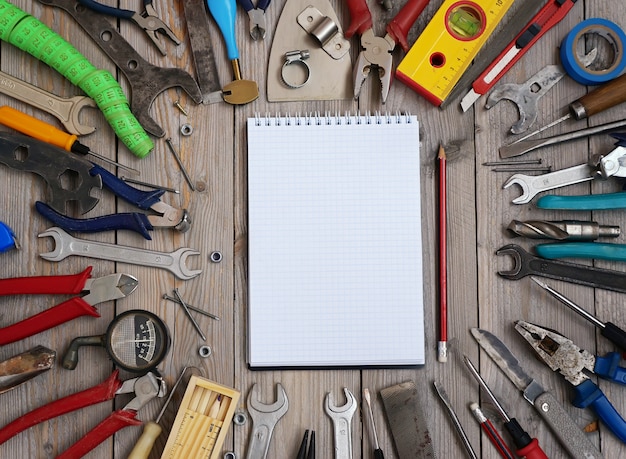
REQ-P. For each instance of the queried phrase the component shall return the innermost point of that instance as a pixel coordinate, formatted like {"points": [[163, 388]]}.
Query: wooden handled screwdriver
{"points": [[602, 98], [152, 429]]}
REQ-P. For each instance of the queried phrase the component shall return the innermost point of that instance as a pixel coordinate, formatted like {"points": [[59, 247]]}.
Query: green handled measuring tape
{"points": [[31, 35]]}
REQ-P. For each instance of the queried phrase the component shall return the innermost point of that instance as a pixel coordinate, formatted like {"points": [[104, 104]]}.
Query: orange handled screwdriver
{"points": [[45, 132]]}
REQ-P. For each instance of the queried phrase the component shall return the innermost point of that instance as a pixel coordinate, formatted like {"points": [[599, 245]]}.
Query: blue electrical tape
{"points": [[612, 33], [7, 238]]}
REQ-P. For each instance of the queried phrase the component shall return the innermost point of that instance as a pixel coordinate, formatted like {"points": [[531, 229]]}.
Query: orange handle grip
{"points": [[38, 129]]}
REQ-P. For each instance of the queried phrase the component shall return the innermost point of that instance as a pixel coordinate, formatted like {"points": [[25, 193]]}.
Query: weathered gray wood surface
{"points": [[215, 154]]}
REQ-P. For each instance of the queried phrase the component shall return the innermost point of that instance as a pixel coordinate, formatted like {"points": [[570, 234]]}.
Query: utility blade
{"points": [[571, 436]]}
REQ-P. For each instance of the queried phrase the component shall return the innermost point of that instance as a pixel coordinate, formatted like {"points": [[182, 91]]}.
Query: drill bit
{"points": [[563, 230]]}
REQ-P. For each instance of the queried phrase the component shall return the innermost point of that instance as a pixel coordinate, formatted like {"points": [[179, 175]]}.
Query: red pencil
{"points": [[442, 346]]}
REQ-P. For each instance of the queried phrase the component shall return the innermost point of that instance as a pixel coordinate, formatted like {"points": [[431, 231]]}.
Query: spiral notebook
{"points": [[335, 244]]}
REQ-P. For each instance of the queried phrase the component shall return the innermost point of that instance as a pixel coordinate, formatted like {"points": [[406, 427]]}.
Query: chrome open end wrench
{"points": [[526, 264], [534, 184], [264, 419], [66, 245], [342, 423], [65, 110]]}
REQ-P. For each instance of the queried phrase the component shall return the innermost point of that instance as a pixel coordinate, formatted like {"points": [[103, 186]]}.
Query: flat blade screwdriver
{"points": [[609, 330], [45, 132]]}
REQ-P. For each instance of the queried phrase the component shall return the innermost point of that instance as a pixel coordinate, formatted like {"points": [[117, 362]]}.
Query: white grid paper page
{"points": [[334, 229]]}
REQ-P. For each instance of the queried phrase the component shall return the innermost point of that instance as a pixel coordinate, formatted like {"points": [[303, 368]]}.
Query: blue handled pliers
{"points": [[256, 14], [148, 20], [167, 216], [562, 355]]}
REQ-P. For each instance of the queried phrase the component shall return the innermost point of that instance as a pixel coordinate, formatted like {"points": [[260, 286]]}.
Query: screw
{"points": [[180, 107]]}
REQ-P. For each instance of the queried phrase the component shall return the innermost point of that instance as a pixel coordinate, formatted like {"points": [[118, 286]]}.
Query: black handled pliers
{"points": [[165, 216], [148, 20]]}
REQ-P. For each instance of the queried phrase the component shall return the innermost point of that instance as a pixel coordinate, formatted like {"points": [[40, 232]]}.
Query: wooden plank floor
{"points": [[478, 212]]}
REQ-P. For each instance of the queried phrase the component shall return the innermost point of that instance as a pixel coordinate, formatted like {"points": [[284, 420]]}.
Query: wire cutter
{"points": [[145, 388], [167, 216], [107, 288], [148, 20], [377, 52], [562, 355], [256, 14]]}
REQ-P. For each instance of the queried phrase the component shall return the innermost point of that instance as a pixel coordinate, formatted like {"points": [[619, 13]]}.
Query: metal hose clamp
{"points": [[296, 57]]}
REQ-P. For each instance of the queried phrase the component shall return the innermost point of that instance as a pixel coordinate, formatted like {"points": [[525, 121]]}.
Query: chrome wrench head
{"points": [[524, 182], [517, 253], [72, 123], [179, 266], [264, 419], [342, 423], [62, 242]]}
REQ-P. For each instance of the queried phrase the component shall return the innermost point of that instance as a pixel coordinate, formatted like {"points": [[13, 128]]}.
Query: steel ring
{"points": [[299, 58]]}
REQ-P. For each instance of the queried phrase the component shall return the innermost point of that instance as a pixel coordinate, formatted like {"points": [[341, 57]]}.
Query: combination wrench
{"points": [[526, 264], [264, 419], [342, 423], [66, 245], [146, 81], [65, 110]]}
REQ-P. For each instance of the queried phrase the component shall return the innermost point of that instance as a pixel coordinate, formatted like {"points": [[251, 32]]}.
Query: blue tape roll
{"points": [[576, 69]]}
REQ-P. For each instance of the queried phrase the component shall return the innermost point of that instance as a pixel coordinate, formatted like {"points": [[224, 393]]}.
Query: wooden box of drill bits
{"points": [[202, 422]]}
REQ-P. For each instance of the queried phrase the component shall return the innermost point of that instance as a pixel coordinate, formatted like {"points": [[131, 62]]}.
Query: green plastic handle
{"points": [[31, 35]]}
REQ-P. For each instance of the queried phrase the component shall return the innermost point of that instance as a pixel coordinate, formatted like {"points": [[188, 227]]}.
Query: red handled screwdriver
{"points": [[527, 446]]}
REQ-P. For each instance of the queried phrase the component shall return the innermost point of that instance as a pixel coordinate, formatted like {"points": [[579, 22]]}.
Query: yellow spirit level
{"points": [[448, 44]]}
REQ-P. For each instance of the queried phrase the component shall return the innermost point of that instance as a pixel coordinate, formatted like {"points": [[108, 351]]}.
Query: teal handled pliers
{"points": [[607, 165], [592, 250], [562, 355]]}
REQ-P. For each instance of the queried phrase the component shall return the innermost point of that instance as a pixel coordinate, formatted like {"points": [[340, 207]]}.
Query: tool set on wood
{"points": [[310, 60]]}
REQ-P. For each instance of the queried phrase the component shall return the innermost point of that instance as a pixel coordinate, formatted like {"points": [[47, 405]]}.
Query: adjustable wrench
{"points": [[66, 245], [146, 81], [65, 110], [264, 419], [342, 423], [526, 264]]}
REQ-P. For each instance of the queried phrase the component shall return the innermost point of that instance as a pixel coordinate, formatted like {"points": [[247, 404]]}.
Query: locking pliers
{"points": [[166, 215], [562, 355], [145, 388], [111, 287]]}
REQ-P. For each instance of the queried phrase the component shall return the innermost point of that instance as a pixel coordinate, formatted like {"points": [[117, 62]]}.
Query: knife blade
{"points": [[571, 436]]}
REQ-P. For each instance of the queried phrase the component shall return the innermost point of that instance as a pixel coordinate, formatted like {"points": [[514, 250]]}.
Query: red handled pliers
{"points": [[111, 287], [376, 52], [145, 388]]}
